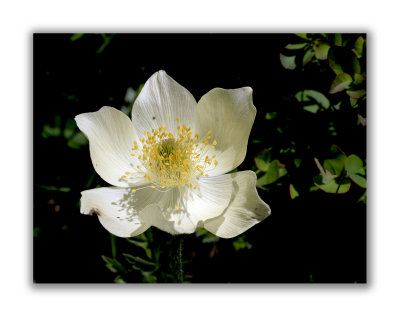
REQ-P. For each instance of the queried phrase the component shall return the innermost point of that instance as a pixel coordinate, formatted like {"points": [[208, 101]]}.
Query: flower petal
{"points": [[117, 209], [111, 135], [229, 114], [245, 210], [207, 201], [161, 101]]}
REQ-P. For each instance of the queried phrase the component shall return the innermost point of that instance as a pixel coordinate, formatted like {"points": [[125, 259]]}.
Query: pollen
{"points": [[170, 158]]}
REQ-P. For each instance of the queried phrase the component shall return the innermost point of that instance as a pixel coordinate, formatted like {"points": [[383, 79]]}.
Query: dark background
{"points": [[317, 237]]}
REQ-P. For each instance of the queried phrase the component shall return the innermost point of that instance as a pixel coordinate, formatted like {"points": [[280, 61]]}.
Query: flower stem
{"points": [[176, 258], [113, 246]]}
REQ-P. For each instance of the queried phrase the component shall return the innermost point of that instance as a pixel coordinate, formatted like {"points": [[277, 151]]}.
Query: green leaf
{"points": [[76, 36], [293, 192], [50, 131], [296, 46], [337, 39], [359, 79], [358, 47], [273, 172], [343, 60], [308, 56], [135, 259], [321, 51], [77, 141], [311, 108], [356, 94], [335, 165], [282, 171], [288, 62], [340, 83], [303, 36], [313, 96], [241, 243], [297, 162], [262, 161], [356, 170], [270, 115], [333, 187]]}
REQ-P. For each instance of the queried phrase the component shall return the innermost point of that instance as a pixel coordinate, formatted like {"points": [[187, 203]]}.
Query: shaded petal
{"points": [[111, 135], [117, 209], [245, 210], [161, 101], [229, 114], [184, 208]]}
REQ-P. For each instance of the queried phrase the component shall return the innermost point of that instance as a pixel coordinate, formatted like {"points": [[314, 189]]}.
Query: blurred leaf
{"points": [[359, 79], [78, 140], [54, 188], [297, 162], [311, 108], [69, 129], [282, 171], [296, 46], [308, 56], [208, 237], [357, 94], [340, 83], [337, 40], [321, 51], [76, 36], [361, 120], [50, 131], [107, 39], [114, 265], [343, 60], [358, 47], [288, 62], [36, 231], [293, 192], [355, 168], [135, 259], [303, 36], [305, 96], [241, 243], [270, 115]]}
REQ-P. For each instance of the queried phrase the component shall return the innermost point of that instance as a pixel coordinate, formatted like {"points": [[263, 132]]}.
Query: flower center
{"points": [[174, 160]]}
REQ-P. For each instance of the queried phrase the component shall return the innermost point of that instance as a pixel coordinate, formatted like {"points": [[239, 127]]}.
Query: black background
{"points": [[315, 238]]}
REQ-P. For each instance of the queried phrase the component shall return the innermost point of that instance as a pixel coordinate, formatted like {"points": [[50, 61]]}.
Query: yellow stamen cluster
{"points": [[174, 159]]}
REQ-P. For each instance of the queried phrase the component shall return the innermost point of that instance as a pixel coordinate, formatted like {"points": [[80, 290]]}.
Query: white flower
{"points": [[169, 163]]}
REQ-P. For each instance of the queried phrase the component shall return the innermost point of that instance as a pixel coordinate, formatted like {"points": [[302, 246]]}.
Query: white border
{"points": [[19, 19]]}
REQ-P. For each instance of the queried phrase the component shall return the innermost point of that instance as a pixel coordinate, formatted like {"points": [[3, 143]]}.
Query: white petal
{"points": [[245, 210], [210, 199], [160, 102], [195, 206], [117, 208], [229, 114], [111, 135]]}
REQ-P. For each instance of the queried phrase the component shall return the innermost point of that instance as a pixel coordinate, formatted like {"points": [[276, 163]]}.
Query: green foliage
{"points": [[293, 192], [312, 100], [268, 170], [75, 138], [241, 243], [342, 58], [288, 62], [356, 170]]}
